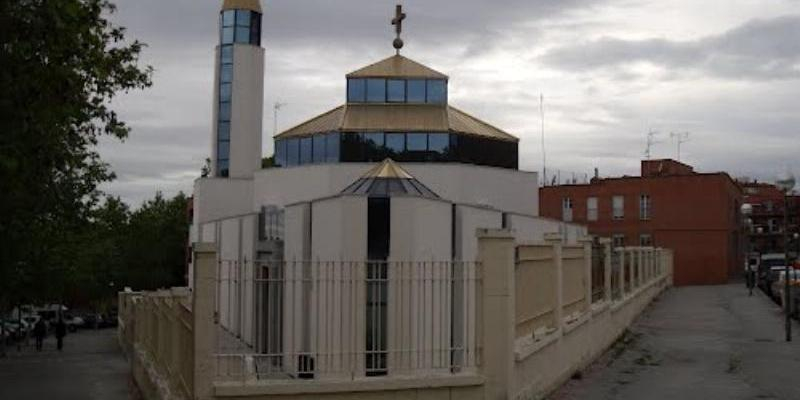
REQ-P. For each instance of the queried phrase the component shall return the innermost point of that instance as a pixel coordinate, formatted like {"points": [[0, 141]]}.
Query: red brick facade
{"points": [[695, 214]]}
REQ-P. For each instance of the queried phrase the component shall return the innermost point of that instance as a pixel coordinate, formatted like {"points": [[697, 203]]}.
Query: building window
{"points": [[591, 209], [319, 149], [376, 90], [416, 91], [280, 153], [292, 152], [618, 205], [356, 90], [332, 143], [396, 143], [618, 240], [396, 91], [306, 151], [566, 209], [417, 142], [645, 207], [645, 240], [437, 91]]}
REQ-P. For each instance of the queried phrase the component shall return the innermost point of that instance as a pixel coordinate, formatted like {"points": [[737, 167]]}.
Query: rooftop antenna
{"points": [[397, 21], [651, 140], [544, 152], [680, 138], [275, 108]]}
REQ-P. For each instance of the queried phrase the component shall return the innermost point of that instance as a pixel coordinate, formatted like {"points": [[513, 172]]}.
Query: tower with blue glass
{"points": [[238, 91]]}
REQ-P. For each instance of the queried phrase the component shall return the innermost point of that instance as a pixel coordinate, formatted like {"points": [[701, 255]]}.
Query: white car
{"points": [[779, 285]]}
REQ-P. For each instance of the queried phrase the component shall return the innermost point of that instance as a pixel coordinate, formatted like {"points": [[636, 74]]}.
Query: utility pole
{"points": [[275, 108], [651, 140], [680, 138]]}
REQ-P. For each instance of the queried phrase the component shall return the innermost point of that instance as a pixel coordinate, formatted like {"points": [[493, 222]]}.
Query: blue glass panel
{"points": [[255, 28], [438, 142], [225, 92], [416, 91], [292, 152], [376, 90], [224, 112], [224, 130], [396, 90], [223, 150], [280, 153], [396, 142], [332, 153], [226, 73], [243, 34], [417, 142], [436, 91], [356, 90], [373, 139], [228, 17], [243, 18], [227, 35], [222, 167], [226, 54], [319, 149], [306, 147]]}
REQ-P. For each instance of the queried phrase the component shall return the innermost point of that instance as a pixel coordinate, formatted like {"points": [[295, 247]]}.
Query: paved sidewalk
{"points": [[90, 367], [710, 342]]}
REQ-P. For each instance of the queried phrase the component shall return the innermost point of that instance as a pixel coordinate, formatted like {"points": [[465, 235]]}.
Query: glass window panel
{"points": [[396, 90], [227, 35], [226, 73], [224, 130], [374, 146], [436, 91], [319, 149], [332, 142], [416, 91], [243, 34], [255, 28], [306, 147], [280, 153], [224, 112], [356, 90], [374, 139], [351, 148], [243, 18], [417, 142], [225, 92], [223, 150], [396, 142], [376, 90], [228, 17], [222, 167], [438, 142], [292, 152], [226, 54]]}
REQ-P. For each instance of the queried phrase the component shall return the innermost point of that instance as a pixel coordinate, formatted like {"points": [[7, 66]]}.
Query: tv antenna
{"points": [[651, 140], [544, 153], [275, 108], [680, 138]]}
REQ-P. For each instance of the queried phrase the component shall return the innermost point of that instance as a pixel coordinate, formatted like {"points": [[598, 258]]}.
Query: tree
{"points": [[63, 62]]}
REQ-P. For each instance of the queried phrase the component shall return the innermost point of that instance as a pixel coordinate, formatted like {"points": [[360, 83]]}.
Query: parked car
{"points": [[73, 322], [768, 262], [779, 285], [772, 275]]}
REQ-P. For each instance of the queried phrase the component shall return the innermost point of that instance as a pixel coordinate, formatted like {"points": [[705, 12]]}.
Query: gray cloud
{"points": [[760, 49]]}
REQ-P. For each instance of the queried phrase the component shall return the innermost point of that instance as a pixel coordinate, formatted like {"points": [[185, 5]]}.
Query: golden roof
{"points": [[397, 118], [397, 66], [252, 5], [387, 169]]}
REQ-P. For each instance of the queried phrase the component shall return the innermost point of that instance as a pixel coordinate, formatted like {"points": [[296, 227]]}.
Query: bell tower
{"points": [[238, 91]]}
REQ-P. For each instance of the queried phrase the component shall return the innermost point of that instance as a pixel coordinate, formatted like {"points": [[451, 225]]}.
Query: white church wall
{"points": [[288, 185], [468, 220], [339, 229], [220, 198], [420, 229], [246, 110]]}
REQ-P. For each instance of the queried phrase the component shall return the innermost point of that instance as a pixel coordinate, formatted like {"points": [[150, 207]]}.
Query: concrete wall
{"points": [[468, 220], [420, 229], [533, 229], [339, 229], [220, 198], [247, 105]]}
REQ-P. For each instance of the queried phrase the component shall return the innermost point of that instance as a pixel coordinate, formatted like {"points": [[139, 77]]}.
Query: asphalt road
{"points": [[711, 342], [90, 367]]}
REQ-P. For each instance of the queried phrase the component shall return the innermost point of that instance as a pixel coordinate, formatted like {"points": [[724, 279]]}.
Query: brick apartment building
{"points": [[669, 205], [767, 219]]}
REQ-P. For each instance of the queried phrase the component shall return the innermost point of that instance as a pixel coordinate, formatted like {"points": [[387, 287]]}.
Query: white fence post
{"points": [[496, 256], [203, 326], [587, 258], [606, 242], [556, 240]]}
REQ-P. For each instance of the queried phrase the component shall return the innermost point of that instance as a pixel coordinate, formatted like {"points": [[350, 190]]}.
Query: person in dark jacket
{"points": [[61, 331], [39, 332]]}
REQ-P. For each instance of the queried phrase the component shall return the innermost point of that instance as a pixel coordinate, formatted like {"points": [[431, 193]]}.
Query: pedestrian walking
{"points": [[61, 331], [750, 276], [39, 332]]}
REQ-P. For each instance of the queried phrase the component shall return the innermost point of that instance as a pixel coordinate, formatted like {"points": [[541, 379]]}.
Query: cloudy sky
{"points": [[726, 71]]}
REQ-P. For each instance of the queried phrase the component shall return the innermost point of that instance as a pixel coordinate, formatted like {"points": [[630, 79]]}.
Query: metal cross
{"points": [[397, 21]]}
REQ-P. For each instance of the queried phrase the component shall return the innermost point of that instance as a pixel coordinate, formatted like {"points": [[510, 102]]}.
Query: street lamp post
{"points": [[747, 210], [786, 184]]}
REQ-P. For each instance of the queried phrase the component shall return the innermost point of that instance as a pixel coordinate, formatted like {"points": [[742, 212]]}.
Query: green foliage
{"points": [[63, 62], [268, 162]]}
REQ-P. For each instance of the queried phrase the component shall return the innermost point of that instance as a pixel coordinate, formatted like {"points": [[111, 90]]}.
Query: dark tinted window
{"points": [[416, 91], [224, 130], [226, 73], [242, 18], [224, 111], [376, 90], [319, 149], [436, 91], [292, 152], [396, 90], [225, 92], [332, 143], [395, 143], [417, 142], [222, 168], [255, 28], [352, 149], [223, 150], [228, 17], [306, 147], [438, 142], [226, 54], [242, 34], [356, 90], [280, 153]]}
